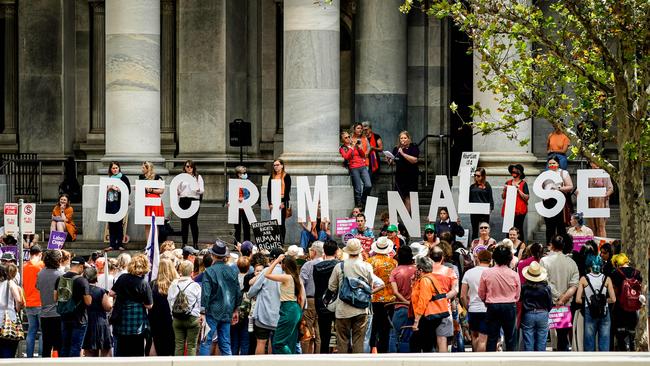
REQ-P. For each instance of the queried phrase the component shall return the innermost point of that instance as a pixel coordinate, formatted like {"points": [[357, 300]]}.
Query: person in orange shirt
{"points": [[557, 144], [382, 266], [62, 218], [32, 296]]}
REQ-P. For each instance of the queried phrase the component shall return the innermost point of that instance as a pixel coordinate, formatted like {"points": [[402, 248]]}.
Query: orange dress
{"points": [[70, 227]]}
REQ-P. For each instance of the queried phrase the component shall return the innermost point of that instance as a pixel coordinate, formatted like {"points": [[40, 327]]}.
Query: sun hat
{"points": [[353, 247], [534, 272], [295, 251], [391, 227], [419, 250], [518, 167], [383, 245]]}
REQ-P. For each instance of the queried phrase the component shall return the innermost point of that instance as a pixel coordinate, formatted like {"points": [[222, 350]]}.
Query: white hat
{"points": [[295, 251], [383, 245], [353, 247], [419, 250], [534, 272]]}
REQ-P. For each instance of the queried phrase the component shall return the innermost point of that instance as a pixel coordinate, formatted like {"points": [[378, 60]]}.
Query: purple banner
{"points": [[57, 239], [10, 249]]}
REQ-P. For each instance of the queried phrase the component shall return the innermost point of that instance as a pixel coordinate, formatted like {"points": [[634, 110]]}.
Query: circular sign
{"points": [[28, 209]]}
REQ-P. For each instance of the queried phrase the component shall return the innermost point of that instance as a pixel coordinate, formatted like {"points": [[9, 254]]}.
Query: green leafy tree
{"points": [[582, 65]]}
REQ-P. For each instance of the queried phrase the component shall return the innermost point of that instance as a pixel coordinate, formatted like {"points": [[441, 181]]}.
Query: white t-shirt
{"points": [[472, 279]]}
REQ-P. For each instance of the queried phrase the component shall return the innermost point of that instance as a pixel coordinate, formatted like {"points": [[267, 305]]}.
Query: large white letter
{"points": [[441, 187], [464, 206], [276, 199], [370, 211], [509, 211], [308, 202], [396, 206], [247, 204], [584, 192], [173, 196], [101, 200], [141, 186], [548, 193]]}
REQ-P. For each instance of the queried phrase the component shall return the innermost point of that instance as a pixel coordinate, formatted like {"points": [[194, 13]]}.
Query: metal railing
{"points": [[444, 155]]}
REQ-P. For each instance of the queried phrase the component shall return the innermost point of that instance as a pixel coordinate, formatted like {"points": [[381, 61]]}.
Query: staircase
{"points": [[613, 226]]}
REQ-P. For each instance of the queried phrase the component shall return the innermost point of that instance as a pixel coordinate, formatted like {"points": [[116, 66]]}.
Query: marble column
{"points": [[168, 76], [381, 67], [8, 135], [98, 70], [133, 80]]}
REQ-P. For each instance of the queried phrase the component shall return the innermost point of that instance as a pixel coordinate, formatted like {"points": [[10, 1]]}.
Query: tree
{"points": [[582, 65]]}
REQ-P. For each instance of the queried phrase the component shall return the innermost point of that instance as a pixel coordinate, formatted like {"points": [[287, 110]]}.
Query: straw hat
{"points": [[382, 246], [534, 272], [353, 247]]}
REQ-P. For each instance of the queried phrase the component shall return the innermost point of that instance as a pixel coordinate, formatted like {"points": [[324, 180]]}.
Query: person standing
{"points": [[536, 302], [476, 309], [382, 266], [220, 296], [62, 218], [285, 193], [563, 278], [625, 311], [188, 192], [400, 281], [242, 227], [598, 224], [72, 308], [405, 158], [447, 284], [32, 297], [355, 158], [361, 228], [309, 314], [113, 201], [184, 300], [499, 288], [148, 173], [133, 297], [376, 147], [351, 321], [321, 275], [160, 314], [521, 204], [49, 318], [444, 224], [97, 340], [266, 311], [556, 225], [480, 192], [10, 304], [557, 143]]}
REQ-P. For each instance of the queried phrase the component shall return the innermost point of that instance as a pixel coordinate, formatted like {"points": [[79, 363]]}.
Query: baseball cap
{"points": [[35, 249], [8, 256], [219, 249], [188, 250], [78, 260], [392, 228], [430, 227], [246, 248], [276, 252]]}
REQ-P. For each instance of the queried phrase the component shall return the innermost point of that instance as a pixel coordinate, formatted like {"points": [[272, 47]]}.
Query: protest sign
{"points": [[10, 249], [57, 239], [366, 242], [11, 218], [468, 159], [267, 234], [345, 225], [560, 317], [579, 242]]}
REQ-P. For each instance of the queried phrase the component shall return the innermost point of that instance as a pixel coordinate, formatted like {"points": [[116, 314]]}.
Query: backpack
{"points": [[597, 302], [628, 297], [355, 292], [64, 303], [465, 261], [181, 308]]}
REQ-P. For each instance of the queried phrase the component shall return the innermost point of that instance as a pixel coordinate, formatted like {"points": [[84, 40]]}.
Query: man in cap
{"points": [[351, 322], [267, 307], [220, 296], [74, 324], [190, 253], [392, 234], [32, 296]]}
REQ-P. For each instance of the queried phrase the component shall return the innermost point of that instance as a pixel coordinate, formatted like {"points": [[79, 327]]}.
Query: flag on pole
{"points": [[152, 250]]}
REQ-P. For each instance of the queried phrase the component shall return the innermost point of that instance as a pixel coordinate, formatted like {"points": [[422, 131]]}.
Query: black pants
{"points": [[554, 225], [380, 331], [130, 346], [501, 316], [242, 226], [425, 338], [325, 321], [189, 223], [519, 224], [283, 218], [563, 339], [476, 220], [51, 333], [115, 234]]}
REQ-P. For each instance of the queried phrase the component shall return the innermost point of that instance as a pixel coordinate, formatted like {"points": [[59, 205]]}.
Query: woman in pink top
{"points": [[355, 159], [533, 253]]}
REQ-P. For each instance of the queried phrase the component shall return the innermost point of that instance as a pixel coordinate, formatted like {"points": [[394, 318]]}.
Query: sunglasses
{"points": [[484, 227]]}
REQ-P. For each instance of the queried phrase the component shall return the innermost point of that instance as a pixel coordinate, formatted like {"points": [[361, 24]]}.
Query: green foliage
{"points": [[582, 65]]}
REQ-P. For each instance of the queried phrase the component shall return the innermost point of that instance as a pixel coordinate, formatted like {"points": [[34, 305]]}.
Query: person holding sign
{"points": [[405, 158], [285, 191], [355, 158], [62, 218], [521, 205], [598, 223], [578, 227], [149, 174], [193, 192], [480, 192], [556, 225], [113, 199]]}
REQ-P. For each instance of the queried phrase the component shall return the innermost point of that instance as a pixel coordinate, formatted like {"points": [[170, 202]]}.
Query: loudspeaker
{"points": [[240, 133]]}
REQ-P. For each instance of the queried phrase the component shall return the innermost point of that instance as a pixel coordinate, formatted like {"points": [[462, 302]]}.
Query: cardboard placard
{"points": [[560, 317], [57, 239], [345, 225], [267, 234], [366, 242], [579, 242], [469, 159]]}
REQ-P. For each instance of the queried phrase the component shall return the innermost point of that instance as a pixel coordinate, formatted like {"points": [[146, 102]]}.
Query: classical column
{"points": [[311, 87], [168, 74], [133, 80], [8, 136], [381, 65], [98, 95]]}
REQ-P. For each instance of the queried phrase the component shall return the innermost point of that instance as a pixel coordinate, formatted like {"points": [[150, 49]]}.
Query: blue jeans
{"points": [[501, 316], [458, 343], [223, 338], [34, 323], [204, 347], [400, 320], [361, 184], [239, 337], [534, 330], [596, 327], [305, 239], [72, 337]]}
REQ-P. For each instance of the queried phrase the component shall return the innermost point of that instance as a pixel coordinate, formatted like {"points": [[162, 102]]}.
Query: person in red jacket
{"points": [[356, 161]]}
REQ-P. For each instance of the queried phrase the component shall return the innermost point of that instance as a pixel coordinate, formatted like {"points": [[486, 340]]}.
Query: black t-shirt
{"points": [[321, 274], [247, 279], [80, 287], [133, 288]]}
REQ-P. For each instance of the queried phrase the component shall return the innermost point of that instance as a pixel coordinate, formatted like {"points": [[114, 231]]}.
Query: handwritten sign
{"points": [[366, 243], [579, 242], [11, 218], [345, 225], [267, 234], [57, 239], [469, 159], [560, 317]]}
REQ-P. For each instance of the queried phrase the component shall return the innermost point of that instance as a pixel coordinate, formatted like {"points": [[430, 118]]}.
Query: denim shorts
{"points": [[477, 322]]}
